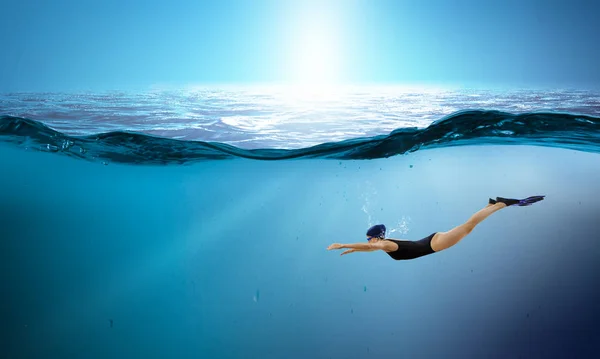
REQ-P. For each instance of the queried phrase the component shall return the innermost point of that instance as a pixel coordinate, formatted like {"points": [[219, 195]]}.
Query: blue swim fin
{"points": [[520, 202], [531, 200]]}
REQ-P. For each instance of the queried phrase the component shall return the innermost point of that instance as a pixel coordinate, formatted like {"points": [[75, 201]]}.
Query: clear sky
{"points": [[102, 45]]}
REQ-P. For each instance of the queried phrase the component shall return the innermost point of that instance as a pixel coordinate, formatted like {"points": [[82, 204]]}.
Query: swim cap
{"points": [[377, 230]]}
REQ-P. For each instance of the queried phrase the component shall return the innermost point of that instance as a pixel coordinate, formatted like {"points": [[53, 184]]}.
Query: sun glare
{"points": [[315, 56]]}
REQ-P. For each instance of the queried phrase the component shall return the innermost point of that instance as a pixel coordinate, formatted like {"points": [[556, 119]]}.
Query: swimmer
{"points": [[435, 242]]}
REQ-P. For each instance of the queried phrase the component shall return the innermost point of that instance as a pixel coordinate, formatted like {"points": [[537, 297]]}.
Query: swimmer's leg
{"points": [[444, 240]]}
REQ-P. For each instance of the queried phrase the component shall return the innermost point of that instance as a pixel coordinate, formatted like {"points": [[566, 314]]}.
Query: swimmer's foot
{"points": [[520, 202]]}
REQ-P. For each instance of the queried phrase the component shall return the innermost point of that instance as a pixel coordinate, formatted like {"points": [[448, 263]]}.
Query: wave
{"points": [[473, 127]]}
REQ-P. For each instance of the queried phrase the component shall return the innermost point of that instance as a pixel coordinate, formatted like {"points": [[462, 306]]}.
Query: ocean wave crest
{"points": [[475, 127]]}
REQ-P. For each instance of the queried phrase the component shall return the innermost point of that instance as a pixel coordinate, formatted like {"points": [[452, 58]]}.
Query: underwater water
{"points": [[116, 242]]}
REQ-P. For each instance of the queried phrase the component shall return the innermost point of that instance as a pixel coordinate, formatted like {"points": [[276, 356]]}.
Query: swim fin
{"points": [[491, 201], [520, 202]]}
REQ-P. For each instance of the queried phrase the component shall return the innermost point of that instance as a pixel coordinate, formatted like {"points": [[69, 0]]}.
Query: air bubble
{"points": [[51, 148]]}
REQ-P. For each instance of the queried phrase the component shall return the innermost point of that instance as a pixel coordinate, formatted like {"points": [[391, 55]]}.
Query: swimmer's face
{"points": [[373, 239]]}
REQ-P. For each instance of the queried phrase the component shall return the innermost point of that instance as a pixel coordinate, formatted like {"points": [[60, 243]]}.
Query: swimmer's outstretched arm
{"points": [[354, 247]]}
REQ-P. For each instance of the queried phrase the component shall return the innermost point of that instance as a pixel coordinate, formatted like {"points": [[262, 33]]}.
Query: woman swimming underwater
{"points": [[435, 242]]}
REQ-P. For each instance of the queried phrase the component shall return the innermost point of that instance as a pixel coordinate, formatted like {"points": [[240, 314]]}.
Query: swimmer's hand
{"points": [[340, 246], [356, 247]]}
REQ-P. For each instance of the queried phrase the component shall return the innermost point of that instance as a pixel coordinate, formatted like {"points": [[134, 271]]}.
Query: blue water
{"points": [[106, 252]]}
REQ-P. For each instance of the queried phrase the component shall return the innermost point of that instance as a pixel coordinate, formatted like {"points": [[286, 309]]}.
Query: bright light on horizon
{"points": [[315, 50], [316, 59]]}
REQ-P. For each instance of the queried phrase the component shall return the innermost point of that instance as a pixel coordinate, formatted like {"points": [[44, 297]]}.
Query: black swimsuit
{"points": [[412, 249]]}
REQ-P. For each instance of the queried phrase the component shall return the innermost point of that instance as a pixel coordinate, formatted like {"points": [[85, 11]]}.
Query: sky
{"points": [[111, 45]]}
